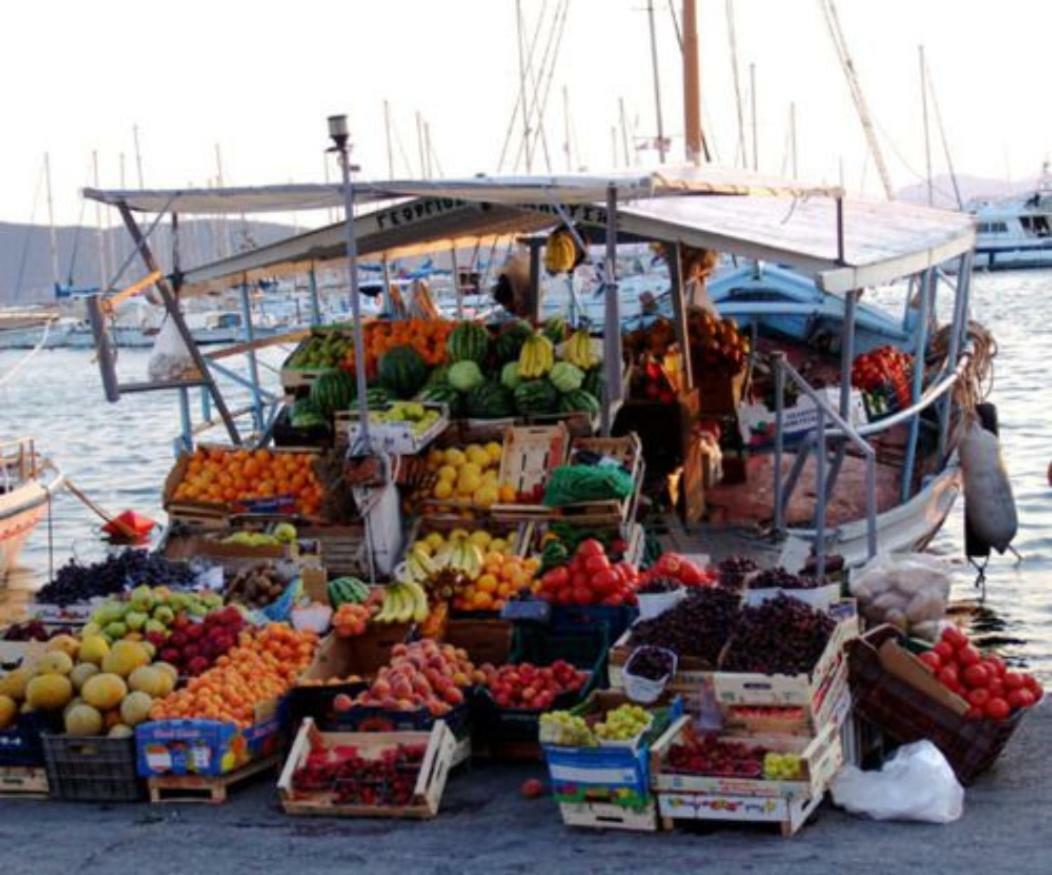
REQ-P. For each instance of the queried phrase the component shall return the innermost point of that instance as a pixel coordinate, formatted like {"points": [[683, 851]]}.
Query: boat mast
{"points": [[104, 270], [624, 132], [942, 136], [691, 83], [738, 102], [752, 103], [566, 130], [792, 137], [53, 234], [223, 238], [613, 144], [387, 135], [657, 82], [522, 88], [927, 133], [420, 144], [138, 154]]}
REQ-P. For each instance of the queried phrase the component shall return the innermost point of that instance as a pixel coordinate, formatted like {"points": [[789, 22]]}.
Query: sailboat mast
{"points": [[420, 144], [522, 88], [927, 135], [752, 106], [624, 132], [51, 222], [138, 154], [691, 83], [387, 135], [104, 270], [657, 81], [566, 129], [792, 137]]}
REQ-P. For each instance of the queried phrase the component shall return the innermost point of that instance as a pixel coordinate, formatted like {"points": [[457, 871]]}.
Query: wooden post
{"points": [[170, 303], [691, 82]]}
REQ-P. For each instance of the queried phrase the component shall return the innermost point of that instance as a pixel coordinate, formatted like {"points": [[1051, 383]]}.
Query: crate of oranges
{"points": [[502, 576], [227, 479]]}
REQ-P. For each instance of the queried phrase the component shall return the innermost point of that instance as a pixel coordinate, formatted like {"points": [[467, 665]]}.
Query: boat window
{"points": [[1041, 227]]}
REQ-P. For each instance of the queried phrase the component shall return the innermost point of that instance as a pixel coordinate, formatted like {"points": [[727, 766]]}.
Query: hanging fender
{"points": [[989, 507]]}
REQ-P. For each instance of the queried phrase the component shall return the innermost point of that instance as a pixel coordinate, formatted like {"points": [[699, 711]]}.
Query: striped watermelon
{"points": [[578, 400], [509, 343], [444, 394], [332, 390], [402, 371], [490, 401], [469, 341], [536, 396]]}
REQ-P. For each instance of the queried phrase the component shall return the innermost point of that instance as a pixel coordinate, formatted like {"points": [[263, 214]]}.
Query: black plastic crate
{"points": [[575, 618], [286, 434], [21, 744], [92, 769]]}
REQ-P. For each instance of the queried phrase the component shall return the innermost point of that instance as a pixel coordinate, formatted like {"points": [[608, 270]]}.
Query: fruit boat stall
{"points": [[530, 612]]}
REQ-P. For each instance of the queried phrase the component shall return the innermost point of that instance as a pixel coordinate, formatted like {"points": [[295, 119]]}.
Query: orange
{"points": [[486, 583], [482, 601]]}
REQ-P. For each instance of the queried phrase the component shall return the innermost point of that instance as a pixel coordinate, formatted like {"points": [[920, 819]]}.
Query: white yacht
{"points": [[1016, 232]]}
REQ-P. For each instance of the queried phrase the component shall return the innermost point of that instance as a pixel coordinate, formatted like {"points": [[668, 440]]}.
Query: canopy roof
{"points": [[882, 241], [576, 189]]}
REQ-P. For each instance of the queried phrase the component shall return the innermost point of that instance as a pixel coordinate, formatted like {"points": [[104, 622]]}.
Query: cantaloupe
{"points": [[83, 720], [124, 657], [8, 712], [120, 731], [66, 643], [93, 649], [154, 682], [81, 672], [54, 662], [49, 692], [104, 690], [135, 708], [13, 683]]}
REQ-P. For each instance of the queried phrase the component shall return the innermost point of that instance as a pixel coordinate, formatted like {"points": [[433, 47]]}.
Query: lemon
{"points": [[435, 541], [435, 459], [443, 489], [455, 457], [481, 538], [498, 545], [471, 448], [485, 496], [468, 483], [490, 476], [472, 468], [494, 451], [447, 472], [478, 455]]}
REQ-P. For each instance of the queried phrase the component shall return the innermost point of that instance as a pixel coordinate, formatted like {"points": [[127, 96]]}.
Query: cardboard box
{"points": [[757, 420]]}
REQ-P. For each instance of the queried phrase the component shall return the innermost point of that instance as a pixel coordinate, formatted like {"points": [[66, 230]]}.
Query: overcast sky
{"points": [[260, 79]]}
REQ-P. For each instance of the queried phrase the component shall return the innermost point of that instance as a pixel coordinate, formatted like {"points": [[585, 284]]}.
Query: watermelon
{"points": [[566, 377], [444, 395], [465, 376], [593, 382], [536, 396], [511, 339], [377, 398], [490, 401], [332, 390], [468, 342], [402, 371], [578, 400], [509, 376], [304, 413], [438, 376], [554, 329]]}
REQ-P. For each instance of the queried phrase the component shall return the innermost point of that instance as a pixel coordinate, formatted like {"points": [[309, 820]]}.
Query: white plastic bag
{"points": [[170, 359], [988, 500], [908, 590], [915, 784]]}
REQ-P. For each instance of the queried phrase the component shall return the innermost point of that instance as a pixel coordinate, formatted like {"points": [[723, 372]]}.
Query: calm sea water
{"points": [[120, 453]]}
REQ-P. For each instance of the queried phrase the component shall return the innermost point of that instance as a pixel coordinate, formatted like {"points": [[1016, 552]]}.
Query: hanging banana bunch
{"points": [[561, 254]]}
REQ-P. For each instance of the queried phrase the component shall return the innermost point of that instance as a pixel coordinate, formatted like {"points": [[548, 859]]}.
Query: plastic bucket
{"points": [[644, 690]]}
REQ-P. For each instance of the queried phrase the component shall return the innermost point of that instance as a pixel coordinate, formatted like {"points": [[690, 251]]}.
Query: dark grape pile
{"points": [[657, 585], [781, 636], [30, 630], [734, 569], [651, 663], [76, 583], [698, 626], [779, 578]]}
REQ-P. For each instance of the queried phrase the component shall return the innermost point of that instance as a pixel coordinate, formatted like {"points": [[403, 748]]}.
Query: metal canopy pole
{"points": [[533, 307], [679, 312], [388, 303], [338, 132], [456, 281], [927, 289], [820, 495], [315, 308], [612, 385], [960, 293], [847, 356], [778, 364], [172, 305], [253, 366]]}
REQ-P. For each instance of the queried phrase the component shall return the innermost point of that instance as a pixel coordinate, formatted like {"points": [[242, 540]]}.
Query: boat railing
{"points": [[19, 462]]}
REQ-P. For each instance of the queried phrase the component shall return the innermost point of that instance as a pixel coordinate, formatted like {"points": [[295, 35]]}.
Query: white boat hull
{"points": [[20, 511]]}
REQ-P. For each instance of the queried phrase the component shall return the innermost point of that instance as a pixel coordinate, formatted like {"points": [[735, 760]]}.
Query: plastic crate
{"points": [[21, 744], [573, 618], [906, 714], [93, 769], [288, 435]]}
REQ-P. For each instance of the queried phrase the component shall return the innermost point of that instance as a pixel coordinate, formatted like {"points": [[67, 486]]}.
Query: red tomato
{"points": [[581, 580], [978, 697], [932, 661], [954, 637], [614, 600], [605, 581], [976, 676], [997, 708], [996, 687], [945, 651], [1020, 698], [557, 578], [690, 574], [564, 596], [1013, 680], [968, 655], [582, 596], [948, 676], [590, 547], [974, 713], [595, 564], [1034, 686], [996, 664]]}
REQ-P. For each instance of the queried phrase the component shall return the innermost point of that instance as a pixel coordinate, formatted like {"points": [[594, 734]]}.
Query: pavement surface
{"points": [[486, 826]]}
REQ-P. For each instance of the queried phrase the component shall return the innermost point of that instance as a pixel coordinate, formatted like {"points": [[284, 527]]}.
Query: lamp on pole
{"points": [[339, 134]]}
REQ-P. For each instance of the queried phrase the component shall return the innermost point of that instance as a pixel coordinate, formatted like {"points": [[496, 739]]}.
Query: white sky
{"points": [[261, 78]]}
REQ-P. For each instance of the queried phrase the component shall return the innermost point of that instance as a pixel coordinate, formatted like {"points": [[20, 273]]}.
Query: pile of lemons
{"points": [[470, 474]]}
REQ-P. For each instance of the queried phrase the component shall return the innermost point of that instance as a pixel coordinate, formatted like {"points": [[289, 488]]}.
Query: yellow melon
{"points": [[124, 657], [83, 720], [154, 682], [81, 672], [93, 649], [13, 683], [66, 643], [8, 711], [168, 669], [49, 691], [104, 690], [120, 731], [54, 662], [135, 708]]}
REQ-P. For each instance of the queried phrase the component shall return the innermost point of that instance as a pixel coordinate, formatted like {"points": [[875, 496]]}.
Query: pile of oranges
{"points": [[219, 475], [502, 577], [263, 666], [426, 336]]}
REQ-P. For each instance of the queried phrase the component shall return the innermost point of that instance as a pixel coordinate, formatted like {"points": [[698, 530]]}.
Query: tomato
{"points": [[948, 676], [690, 574], [557, 578], [614, 600], [976, 676], [997, 708], [968, 655], [974, 713], [605, 581], [1020, 698], [978, 697], [595, 564], [590, 547], [581, 580], [1013, 680], [582, 596], [996, 664], [1034, 686], [996, 687], [945, 651], [670, 564], [564, 596], [932, 660], [954, 637]]}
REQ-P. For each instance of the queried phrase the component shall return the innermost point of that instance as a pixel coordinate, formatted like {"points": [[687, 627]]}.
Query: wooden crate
{"points": [[201, 788], [430, 782], [789, 814], [604, 815], [23, 782]]}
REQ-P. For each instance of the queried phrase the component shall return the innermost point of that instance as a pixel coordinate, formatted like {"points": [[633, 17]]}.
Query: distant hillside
{"points": [[972, 188], [25, 254]]}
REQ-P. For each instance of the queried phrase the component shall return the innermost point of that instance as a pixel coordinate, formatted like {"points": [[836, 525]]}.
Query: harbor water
{"points": [[120, 453]]}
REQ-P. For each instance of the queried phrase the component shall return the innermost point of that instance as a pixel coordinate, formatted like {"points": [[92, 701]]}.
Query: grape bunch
{"points": [[698, 626], [120, 571], [658, 585], [651, 663], [566, 729], [734, 569], [781, 636], [779, 578], [622, 723]]}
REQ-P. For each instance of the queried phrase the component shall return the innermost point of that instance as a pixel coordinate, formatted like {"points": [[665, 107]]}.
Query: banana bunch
{"points": [[347, 590], [578, 351], [419, 566], [404, 600], [560, 252], [466, 559], [536, 358]]}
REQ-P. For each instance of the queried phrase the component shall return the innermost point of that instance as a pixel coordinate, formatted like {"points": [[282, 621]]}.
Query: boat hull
{"points": [[20, 511]]}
